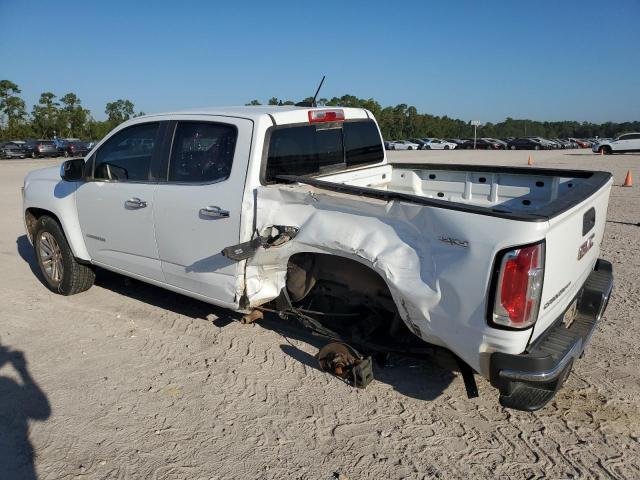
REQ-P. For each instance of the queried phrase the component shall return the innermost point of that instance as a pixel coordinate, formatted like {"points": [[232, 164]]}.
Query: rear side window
{"points": [[362, 143], [314, 149], [127, 155], [202, 152]]}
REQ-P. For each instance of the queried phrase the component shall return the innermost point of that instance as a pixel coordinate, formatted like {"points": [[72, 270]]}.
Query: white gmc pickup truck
{"points": [[296, 210]]}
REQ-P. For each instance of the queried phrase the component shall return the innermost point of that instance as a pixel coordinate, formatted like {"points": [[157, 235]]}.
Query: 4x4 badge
{"points": [[454, 241]]}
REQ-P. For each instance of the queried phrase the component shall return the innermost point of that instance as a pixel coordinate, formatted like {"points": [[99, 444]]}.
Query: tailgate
{"points": [[572, 248]]}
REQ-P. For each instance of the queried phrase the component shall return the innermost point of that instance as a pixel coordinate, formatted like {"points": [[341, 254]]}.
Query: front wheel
{"points": [[61, 271], [446, 147]]}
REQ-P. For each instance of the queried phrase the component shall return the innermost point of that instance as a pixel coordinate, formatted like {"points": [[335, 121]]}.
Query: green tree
{"points": [[46, 115], [253, 103], [119, 111], [12, 107], [74, 117]]}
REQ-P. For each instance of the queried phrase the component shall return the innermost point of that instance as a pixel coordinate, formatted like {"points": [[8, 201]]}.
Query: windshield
{"points": [[313, 149]]}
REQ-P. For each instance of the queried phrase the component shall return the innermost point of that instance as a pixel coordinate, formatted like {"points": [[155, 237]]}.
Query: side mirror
{"points": [[72, 170]]}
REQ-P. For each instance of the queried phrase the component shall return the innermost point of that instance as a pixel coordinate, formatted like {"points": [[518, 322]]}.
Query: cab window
{"points": [[127, 155], [202, 152]]}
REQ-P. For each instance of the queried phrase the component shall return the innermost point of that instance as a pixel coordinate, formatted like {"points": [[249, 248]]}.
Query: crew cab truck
{"points": [[296, 209]]}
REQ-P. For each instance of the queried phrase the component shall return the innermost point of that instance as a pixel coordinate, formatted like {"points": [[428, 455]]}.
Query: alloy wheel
{"points": [[51, 257]]}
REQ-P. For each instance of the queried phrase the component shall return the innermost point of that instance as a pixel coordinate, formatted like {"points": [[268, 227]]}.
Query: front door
{"points": [[115, 205], [198, 208]]}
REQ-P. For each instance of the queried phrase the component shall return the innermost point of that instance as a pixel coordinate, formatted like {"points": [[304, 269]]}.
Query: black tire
{"points": [[74, 277], [446, 147]]}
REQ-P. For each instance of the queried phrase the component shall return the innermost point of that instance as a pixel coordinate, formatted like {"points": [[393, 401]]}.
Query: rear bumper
{"points": [[528, 381]]}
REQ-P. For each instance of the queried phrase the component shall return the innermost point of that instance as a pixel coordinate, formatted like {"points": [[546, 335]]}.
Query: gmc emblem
{"points": [[586, 246]]}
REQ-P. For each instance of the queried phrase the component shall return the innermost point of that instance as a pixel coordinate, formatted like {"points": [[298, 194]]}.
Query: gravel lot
{"points": [[131, 381]]}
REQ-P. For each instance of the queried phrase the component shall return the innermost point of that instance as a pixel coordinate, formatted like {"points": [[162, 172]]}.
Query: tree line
{"points": [[403, 121], [65, 117], [53, 116]]}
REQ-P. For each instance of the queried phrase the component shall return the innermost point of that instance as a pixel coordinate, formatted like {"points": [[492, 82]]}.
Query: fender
{"points": [[45, 191]]}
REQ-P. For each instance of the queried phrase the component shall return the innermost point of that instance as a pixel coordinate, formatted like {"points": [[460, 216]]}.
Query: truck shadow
{"points": [[162, 298], [138, 290], [25, 250], [20, 402], [424, 378]]}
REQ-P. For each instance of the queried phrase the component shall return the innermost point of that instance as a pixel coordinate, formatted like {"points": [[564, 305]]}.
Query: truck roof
{"points": [[280, 114]]}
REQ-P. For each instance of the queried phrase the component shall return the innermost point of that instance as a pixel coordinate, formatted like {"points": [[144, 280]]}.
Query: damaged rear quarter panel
{"points": [[439, 287]]}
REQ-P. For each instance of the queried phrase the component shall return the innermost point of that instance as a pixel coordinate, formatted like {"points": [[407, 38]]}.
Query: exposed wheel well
{"points": [[350, 298], [341, 277]]}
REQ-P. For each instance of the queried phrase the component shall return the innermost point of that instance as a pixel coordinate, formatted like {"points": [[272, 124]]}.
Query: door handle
{"points": [[214, 212], [134, 203]]}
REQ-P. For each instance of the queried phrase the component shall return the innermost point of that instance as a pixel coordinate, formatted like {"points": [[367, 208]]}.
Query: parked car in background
{"points": [[12, 150], [581, 143], [543, 141], [41, 148], [480, 144], [76, 149], [438, 144], [526, 143], [421, 143], [629, 142], [570, 143], [403, 145], [502, 143], [457, 141], [63, 143]]}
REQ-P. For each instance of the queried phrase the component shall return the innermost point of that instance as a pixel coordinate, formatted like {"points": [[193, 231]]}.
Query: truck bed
{"points": [[518, 193]]}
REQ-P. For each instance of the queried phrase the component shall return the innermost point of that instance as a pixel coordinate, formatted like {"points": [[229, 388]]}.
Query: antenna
{"points": [[313, 102]]}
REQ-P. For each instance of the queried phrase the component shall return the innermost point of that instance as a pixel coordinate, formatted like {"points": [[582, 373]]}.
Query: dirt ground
{"points": [[129, 381]]}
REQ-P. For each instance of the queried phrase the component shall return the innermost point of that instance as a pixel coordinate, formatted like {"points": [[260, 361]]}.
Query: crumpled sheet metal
{"points": [[439, 288], [387, 238]]}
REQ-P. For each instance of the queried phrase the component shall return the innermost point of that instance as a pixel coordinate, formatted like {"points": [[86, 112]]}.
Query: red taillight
{"points": [[519, 287], [320, 116]]}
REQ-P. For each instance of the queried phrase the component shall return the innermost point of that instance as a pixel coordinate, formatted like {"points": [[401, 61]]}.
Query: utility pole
{"points": [[475, 124]]}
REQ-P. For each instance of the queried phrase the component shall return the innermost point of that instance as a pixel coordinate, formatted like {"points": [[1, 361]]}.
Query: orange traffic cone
{"points": [[601, 151], [628, 181], [530, 161]]}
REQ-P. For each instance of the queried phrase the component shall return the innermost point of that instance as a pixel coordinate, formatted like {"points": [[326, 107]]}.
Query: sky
{"points": [[473, 60]]}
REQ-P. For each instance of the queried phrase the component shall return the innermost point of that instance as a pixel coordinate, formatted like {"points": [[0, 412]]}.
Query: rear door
{"points": [[198, 205]]}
